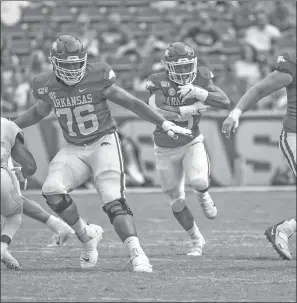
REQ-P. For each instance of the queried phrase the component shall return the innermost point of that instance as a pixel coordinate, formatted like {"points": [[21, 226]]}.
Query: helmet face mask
{"points": [[69, 59], [181, 63]]}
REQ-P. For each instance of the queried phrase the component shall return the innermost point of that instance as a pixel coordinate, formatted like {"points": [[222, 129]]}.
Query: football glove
{"points": [[189, 91], [174, 130]]}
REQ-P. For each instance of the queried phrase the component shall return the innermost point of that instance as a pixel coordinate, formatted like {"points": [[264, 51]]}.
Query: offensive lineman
{"points": [[182, 93], [284, 75], [78, 92], [12, 144]]}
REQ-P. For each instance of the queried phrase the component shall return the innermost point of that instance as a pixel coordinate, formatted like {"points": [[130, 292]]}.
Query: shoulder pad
{"points": [[157, 80], [286, 63], [205, 72], [104, 69], [39, 84]]}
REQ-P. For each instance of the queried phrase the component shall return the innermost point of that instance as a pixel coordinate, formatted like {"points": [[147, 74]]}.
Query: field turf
{"points": [[238, 263]]}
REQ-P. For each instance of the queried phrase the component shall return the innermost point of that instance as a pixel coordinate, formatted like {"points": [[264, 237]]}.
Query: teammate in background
{"points": [[12, 144], [33, 210], [182, 93], [284, 75], [78, 92]]}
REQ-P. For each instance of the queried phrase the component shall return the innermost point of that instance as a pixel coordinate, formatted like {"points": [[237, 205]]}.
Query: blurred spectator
{"points": [[243, 17], [11, 75], [117, 34], [262, 36], [280, 17], [87, 36], [11, 11], [38, 59], [152, 53], [247, 68], [202, 36]]}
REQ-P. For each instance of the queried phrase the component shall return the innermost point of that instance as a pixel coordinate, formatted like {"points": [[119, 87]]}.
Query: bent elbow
{"points": [[226, 103]]}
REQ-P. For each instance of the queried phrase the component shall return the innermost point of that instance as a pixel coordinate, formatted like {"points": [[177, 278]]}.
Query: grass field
{"points": [[238, 263]]}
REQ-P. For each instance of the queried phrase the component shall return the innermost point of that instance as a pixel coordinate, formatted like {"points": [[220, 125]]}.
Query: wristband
{"points": [[201, 94], [235, 113]]}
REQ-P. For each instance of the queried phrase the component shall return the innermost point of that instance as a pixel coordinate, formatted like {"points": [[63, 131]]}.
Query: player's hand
{"points": [[19, 174], [229, 124], [186, 92], [174, 130], [189, 91]]}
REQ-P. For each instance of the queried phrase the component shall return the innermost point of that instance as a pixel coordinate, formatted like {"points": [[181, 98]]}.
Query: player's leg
{"points": [[11, 209], [279, 234], [109, 180], [171, 174], [67, 172], [196, 165], [33, 210]]}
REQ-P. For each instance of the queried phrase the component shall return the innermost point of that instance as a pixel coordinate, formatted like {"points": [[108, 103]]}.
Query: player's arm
{"points": [[34, 114], [121, 97], [216, 97], [273, 82], [23, 156]]}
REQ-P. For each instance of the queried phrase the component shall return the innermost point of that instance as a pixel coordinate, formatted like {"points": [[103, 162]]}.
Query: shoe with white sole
{"points": [[277, 236], [140, 261], [8, 260], [196, 247], [89, 255], [207, 205]]}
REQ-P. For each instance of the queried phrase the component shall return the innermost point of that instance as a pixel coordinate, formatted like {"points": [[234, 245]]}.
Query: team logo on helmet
{"points": [[55, 46]]}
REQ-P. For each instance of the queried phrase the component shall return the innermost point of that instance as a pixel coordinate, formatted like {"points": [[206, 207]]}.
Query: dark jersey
{"points": [[82, 110], [287, 64], [161, 81]]}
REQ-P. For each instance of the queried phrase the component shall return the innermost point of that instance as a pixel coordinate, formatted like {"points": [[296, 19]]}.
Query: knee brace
{"points": [[58, 203], [117, 208], [200, 184], [176, 198]]}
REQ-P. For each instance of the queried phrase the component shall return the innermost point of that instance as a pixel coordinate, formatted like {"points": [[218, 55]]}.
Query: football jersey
{"points": [[287, 64], [161, 81], [9, 132], [82, 109]]}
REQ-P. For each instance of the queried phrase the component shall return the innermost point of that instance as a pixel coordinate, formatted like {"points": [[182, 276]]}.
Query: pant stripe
{"points": [[123, 181], [285, 147]]}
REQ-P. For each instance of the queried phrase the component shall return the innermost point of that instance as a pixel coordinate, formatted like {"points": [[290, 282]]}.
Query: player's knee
{"points": [[52, 186], [117, 208], [58, 203], [178, 205], [176, 198], [199, 183]]}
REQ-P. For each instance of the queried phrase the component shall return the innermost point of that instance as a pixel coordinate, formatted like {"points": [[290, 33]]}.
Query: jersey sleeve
{"points": [[34, 89], [109, 75], [284, 63]]}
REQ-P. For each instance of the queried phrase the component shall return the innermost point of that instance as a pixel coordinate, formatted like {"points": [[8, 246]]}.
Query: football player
{"points": [[283, 75], [12, 144], [78, 92], [182, 93], [33, 210]]}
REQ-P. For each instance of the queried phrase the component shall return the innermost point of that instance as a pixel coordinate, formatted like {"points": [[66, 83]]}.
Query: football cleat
{"points": [[89, 255], [277, 236], [207, 205], [196, 247], [140, 261], [8, 260]]}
